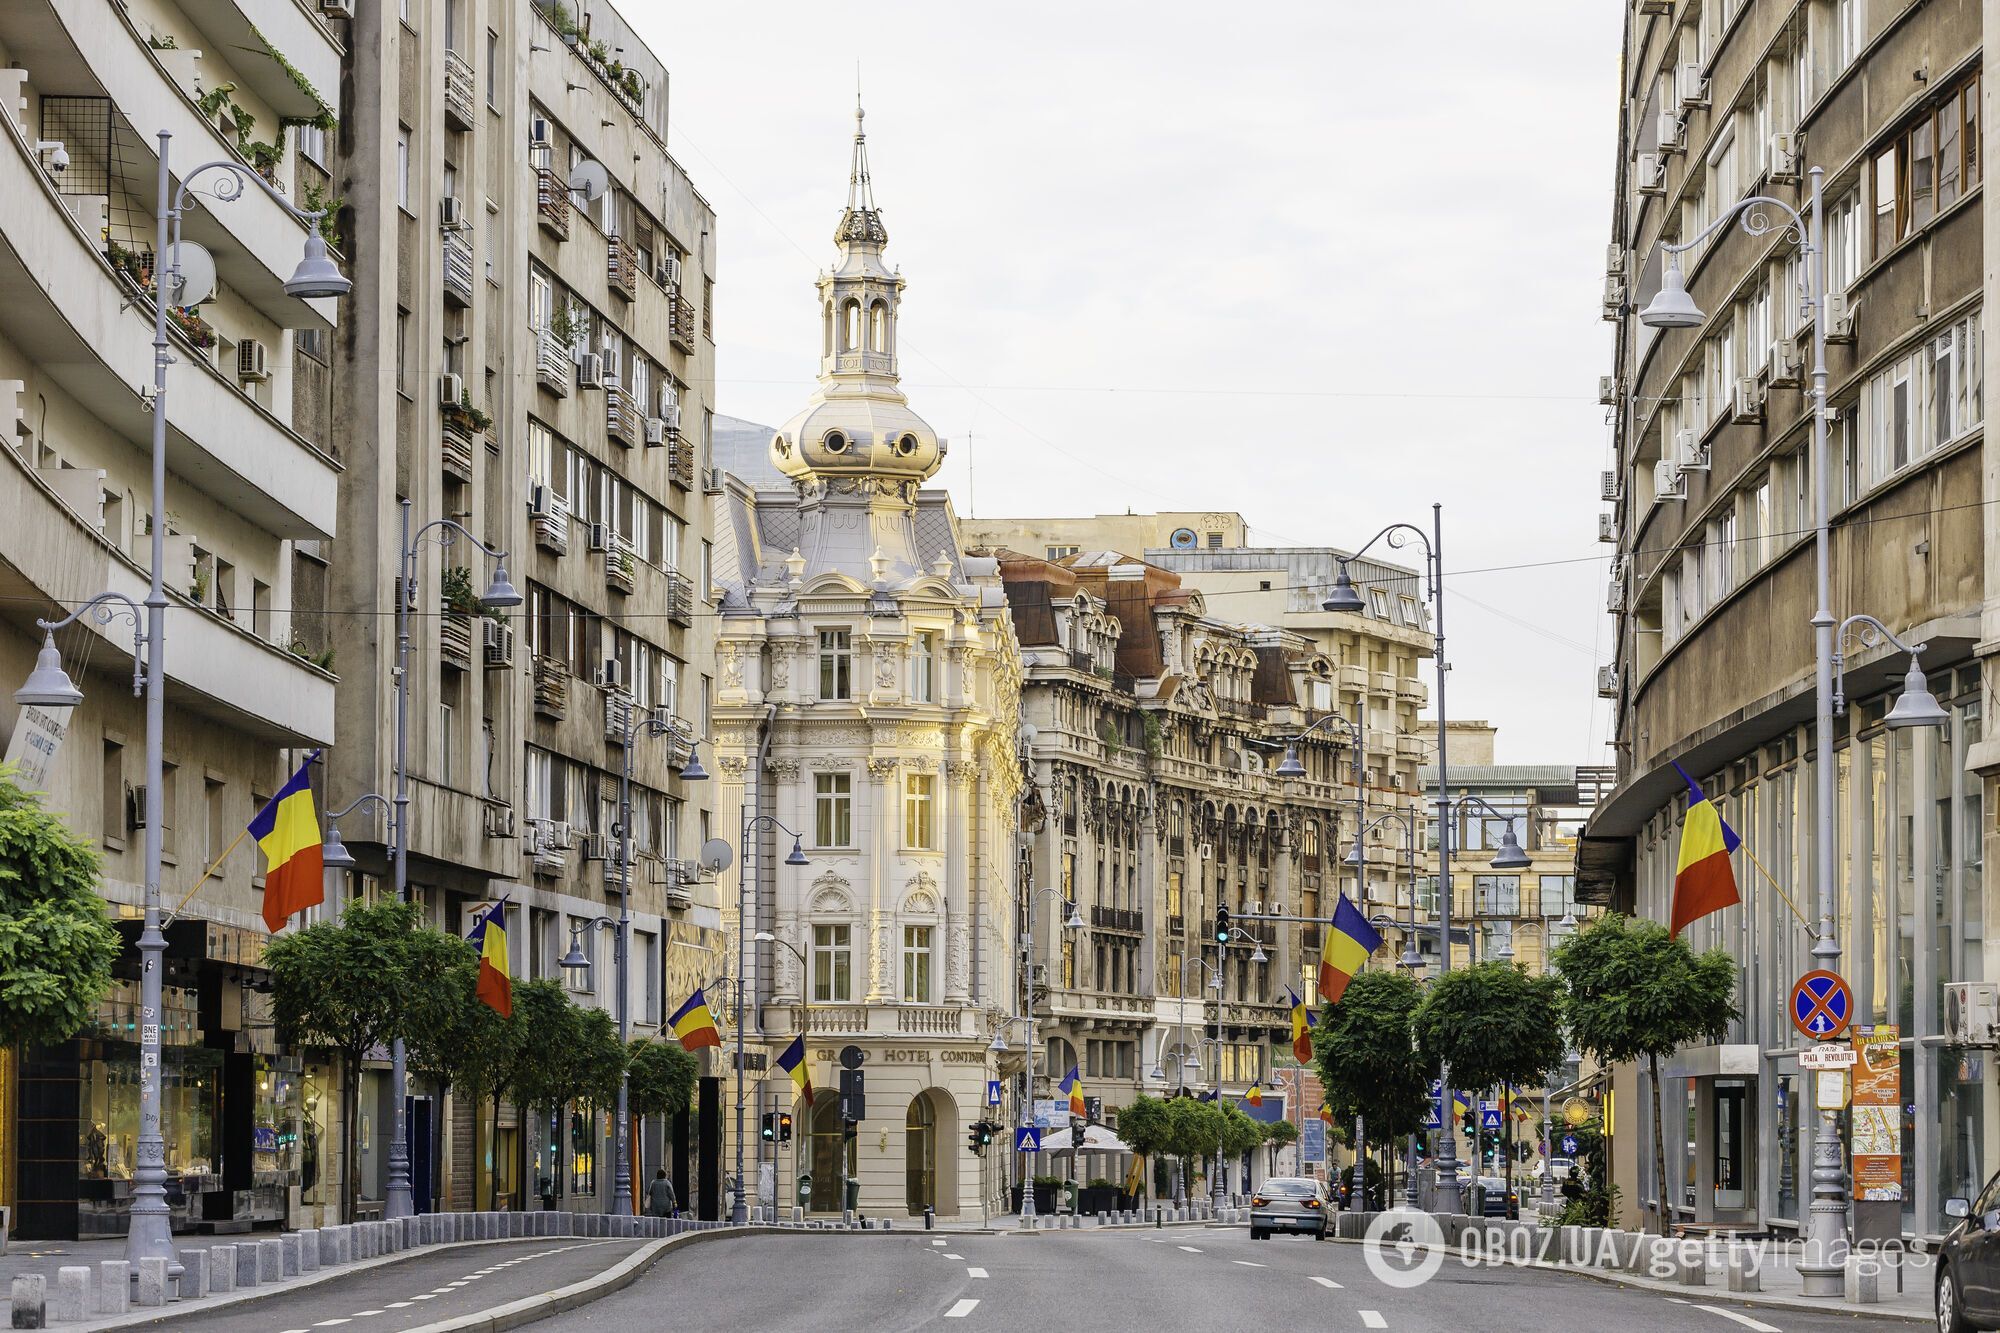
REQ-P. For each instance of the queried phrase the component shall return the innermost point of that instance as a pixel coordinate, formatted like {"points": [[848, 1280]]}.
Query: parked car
{"points": [[1967, 1291], [1288, 1203], [1561, 1167], [1501, 1200]]}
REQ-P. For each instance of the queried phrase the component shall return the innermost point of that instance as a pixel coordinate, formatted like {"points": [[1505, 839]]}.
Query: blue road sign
{"points": [[1821, 1005], [1569, 1145], [1437, 1088], [1489, 1116], [992, 1092], [1027, 1139], [1432, 1120]]}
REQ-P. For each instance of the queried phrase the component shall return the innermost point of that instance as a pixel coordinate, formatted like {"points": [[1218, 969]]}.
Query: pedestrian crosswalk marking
{"points": [[962, 1309], [1757, 1326], [1373, 1319], [954, 1256]]}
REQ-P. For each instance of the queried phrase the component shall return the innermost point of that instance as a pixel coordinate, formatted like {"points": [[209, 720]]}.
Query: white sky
{"points": [[1318, 263]]}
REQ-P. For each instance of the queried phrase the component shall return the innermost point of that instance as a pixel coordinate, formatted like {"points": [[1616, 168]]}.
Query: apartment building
{"points": [[1709, 509], [528, 355], [252, 474]]}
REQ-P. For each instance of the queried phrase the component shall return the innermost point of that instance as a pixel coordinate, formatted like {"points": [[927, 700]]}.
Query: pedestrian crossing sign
{"points": [[1027, 1139]]}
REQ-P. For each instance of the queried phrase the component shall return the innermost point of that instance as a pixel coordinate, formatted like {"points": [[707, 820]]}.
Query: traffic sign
{"points": [[1027, 1139], [1569, 1145], [1432, 1120], [992, 1092], [1821, 1005], [851, 1057], [1827, 1057], [1489, 1116]]}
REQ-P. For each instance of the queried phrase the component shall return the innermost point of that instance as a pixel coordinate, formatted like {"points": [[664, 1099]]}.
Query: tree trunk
{"points": [[350, 1155], [493, 1171], [1659, 1144]]}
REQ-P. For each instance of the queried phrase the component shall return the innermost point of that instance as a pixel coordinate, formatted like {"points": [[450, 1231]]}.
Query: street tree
{"points": [[1632, 991], [354, 984], [57, 944], [1492, 1025], [1193, 1129], [662, 1078], [1238, 1132], [1145, 1130], [543, 1075], [1279, 1134], [467, 1047], [1366, 1050]]}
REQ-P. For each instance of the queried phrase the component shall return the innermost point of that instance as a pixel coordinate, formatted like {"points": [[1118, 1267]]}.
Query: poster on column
{"points": [[1878, 1113], [38, 735]]}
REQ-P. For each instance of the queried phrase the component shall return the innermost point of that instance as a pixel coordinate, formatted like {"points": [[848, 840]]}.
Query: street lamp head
{"points": [[501, 593], [48, 685], [764, 937], [798, 856], [317, 275], [1568, 921], [1916, 706], [1411, 959], [1342, 596], [333, 853], [1353, 857], [1215, 980], [1672, 307], [999, 1044], [1510, 856], [1192, 1064], [1075, 918], [1258, 955], [692, 771], [574, 959], [1289, 766]]}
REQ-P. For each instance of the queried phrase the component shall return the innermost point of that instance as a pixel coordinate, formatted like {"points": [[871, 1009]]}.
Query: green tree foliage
{"points": [[1634, 992], [468, 1046], [357, 983], [1491, 1024], [1281, 1133], [662, 1077], [1239, 1132], [1366, 1051], [1143, 1126], [56, 943]]}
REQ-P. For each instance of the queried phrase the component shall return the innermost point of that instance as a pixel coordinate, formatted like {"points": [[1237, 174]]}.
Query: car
{"points": [[1288, 1203], [1561, 1167], [1966, 1292], [1501, 1201]]}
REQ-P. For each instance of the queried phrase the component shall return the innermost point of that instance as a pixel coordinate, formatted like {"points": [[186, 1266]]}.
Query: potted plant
{"points": [[563, 326], [192, 327], [467, 418], [455, 591]]}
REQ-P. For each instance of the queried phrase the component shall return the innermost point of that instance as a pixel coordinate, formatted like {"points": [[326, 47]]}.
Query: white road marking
{"points": [[1190, 1249], [937, 1242], [397, 1305], [1327, 1282], [440, 1291], [954, 1256], [1373, 1319], [363, 1314], [329, 1323], [1247, 1264], [975, 1272], [962, 1309], [427, 1296], [1757, 1325]]}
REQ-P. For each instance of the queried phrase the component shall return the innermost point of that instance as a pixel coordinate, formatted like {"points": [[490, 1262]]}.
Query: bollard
{"points": [[1744, 1274], [309, 1250], [31, 1301], [151, 1290], [288, 1255], [194, 1274], [114, 1286], [246, 1264], [76, 1293], [270, 1260], [221, 1269]]}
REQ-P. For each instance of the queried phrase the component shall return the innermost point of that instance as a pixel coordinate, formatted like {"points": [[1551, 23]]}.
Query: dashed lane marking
{"points": [[1189, 1248], [1327, 1282], [1757, 1325], [364, 1314], [937, 1242], [975, 1272], [329, 1323], [962, 1309], [1248, 1264], [1373, 1319]]}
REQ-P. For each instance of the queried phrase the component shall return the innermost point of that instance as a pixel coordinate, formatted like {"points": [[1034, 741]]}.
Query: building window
{"points": [[1497, 895], [836, 664], [1378, 602], [923, 668], [833, 810], [1059, 552], [1930, 165], [833, 957], [493, 70], [1558, 894], [917, 964], [919, 812], [403, 167]]}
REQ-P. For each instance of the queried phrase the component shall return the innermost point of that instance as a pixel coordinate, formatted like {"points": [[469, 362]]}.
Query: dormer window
{"points": [[907, 445], [836, 443]]}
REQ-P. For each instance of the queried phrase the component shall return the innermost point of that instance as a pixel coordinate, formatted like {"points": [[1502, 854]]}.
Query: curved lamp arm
{"points": [[448, 530], [1399, 535], [1870, 633], [1755, 219], [359, 801], [230, 188], [103, 609]]}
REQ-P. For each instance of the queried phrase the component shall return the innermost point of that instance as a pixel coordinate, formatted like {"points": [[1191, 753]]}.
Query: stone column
{"points": [[955, 796], [876, 952], [1285, 898]]}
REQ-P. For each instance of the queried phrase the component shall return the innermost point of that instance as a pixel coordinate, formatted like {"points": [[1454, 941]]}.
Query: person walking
{"points": [[660, 1200]]}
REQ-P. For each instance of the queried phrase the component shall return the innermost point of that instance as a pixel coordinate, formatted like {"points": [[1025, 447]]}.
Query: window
{"points": [[493, 70], [1930, 165], [836, 664], [403, 167], [919, 823], [1843, 245], [169, 788], [1060, 552], [923, 668], [833, 810], [311, 141], [917, 964], [215, 835], [1847, 24], [1378, 602], [1497, 895], [1558, 894], [833, 955]]}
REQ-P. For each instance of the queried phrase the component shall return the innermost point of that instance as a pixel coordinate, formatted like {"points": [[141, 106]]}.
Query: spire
{"points": [[861, 222]]}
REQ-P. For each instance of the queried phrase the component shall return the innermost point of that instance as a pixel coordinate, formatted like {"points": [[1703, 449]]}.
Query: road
{"points": [[429, 1286], [1177, 1278]]}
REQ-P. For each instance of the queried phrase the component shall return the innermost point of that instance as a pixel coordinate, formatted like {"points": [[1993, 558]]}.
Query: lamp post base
{"points": [[1828, 1283]]}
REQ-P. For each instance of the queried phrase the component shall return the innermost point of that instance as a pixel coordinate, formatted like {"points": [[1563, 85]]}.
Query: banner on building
{"points": [[1878, 1113], [38, 735]]}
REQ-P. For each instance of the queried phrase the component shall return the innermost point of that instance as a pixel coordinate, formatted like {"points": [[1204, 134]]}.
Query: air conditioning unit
{"points": [[1693, 87], [1839, 318], [499, 821], [1618, 568], [590, 371], [1610, 486], [1614, 258], [1607, 390], [596, 847], [135, 808], [1971, 1013], [1787, 366], [1748, 404], [498, 644], [670, 415], [1668, 483], [1651, 174], [1607, 527], [252, 361], [559, 835], [656, 432], [451, 213], [1607, 682], [1614, 296], [337, 9], [600, 537], [451, 389], [1686, 445], [538, 133], [541, 500], [670, 271], [1614, 598], [1784, 158], [611, 674], [1667, 132]]}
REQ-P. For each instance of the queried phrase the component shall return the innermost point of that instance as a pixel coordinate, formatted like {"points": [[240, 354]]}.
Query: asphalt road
{"points": [[1173, 1279], [430, 1286]]}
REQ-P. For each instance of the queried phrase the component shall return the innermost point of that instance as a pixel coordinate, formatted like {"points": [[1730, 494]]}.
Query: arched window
{"points": [[850, 327], [920, 1154], [878, 327]]}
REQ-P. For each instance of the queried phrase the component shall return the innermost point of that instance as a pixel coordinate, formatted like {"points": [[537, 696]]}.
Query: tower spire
{"points": [[861, 221]]}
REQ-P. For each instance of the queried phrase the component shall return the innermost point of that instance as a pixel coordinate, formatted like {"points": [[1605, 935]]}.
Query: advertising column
{"points": [[1878, 1133]]}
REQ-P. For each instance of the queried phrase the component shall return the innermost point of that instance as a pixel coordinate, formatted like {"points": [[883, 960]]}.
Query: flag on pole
{"points": [[1349, 941], [694, 1024], [287, 828], [1326, 1114], [793, 1062], [489, 936], [1254, 1097], [1704, 881], [1072, 1087], [1303, 1021]]}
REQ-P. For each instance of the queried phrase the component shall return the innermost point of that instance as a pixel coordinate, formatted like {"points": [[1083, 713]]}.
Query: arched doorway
{"points": [[823, 1153], [920, 1153]]}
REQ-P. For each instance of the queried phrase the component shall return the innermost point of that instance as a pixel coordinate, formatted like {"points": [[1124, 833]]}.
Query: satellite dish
{"points": [[716, 855], [589, 179], [197, 280], [1183, 539]]}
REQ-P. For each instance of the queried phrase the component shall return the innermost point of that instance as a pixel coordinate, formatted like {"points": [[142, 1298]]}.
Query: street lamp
{"points": [[739, 1208], [1073, 921], [805, 1023], [150, 1234], [500, 594]]}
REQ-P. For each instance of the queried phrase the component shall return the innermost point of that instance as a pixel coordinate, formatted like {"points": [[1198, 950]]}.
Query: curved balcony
{"points": [[280, 26], [214, 668], [85, 48], [63, 306]]}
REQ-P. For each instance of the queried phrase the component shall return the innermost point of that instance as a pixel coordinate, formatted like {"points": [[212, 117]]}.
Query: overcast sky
{"points": [[1321, 264]]}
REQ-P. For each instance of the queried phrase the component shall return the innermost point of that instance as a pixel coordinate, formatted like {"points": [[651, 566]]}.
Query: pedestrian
{"points": [[660, 1200]]}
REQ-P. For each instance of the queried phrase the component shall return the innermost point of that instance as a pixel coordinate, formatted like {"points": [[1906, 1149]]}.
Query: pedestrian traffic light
{"points": [[987, 1129], [1222, 925], [770, 1126], [784, 1126], [977, 1138], [1076, 1134]]}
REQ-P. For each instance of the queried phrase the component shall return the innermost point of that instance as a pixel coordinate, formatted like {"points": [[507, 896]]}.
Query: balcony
{"points": [[680, 598], [680, 461], [617, 716], [552, 203], [1239, 708], [681, 331], [458, 103], [457, 448], [1118, 918], [552, 527], [246, 30], [551, 687], [619, 567], [622, 267], [621, 416], [554, 367], [455, 640], [458, 266], [1352, 678]]}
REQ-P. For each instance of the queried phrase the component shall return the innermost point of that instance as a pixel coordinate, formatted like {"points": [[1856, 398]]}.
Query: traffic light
{"points": [[1076, 1134], [784, 1126], [770, 1126], [1222, 925], [977, 1137]]}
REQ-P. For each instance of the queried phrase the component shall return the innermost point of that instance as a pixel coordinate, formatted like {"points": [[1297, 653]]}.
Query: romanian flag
{"points": [[1704, 881], [489, 936], [793, 1062], [1072, 1086], [694, 1024], [1303, 1021], [1254, 1097], [1349, 941], [288, 830], [1326, 1115]]}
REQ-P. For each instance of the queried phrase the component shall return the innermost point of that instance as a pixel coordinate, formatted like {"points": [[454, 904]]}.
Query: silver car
{"points": [[1288, 1203]]}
